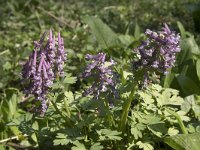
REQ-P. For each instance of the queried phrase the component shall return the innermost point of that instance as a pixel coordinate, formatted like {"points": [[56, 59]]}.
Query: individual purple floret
{"points": [[101, 71], [158, 52], [41, 69]]}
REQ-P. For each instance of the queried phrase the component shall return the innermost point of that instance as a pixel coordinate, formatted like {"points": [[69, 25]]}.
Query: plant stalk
{"points": [[12, 138], [59, 112], [125, 111], [66, 108], [109, 117], [180, 122]]}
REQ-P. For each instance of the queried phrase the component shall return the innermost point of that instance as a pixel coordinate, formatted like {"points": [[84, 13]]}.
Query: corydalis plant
{"points": [[102, 73], [157, 53], [44, 64]]}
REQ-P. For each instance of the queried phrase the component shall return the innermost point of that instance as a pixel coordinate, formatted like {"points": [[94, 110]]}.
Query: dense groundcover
{"points": [[100, 74]]}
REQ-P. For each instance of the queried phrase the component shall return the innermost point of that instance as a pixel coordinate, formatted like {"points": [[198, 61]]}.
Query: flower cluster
{"points": [[158, 51], [45, 62], [101, 71]]}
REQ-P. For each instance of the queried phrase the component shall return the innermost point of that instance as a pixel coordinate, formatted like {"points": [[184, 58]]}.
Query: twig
{"points": [[126, 107], [70, 24], [24, 99], [11, 138], [17, 146]]}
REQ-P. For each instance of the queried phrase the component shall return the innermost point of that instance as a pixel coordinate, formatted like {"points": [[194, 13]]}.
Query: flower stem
{"points": [[66, 108], [125, 110], [180, 122], [59, 112], [109, 115], [12, 138]]}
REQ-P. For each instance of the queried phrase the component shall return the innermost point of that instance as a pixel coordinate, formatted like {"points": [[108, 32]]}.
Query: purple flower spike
{"points": [[61, 56], [101, 71], [158, 52], [39, 71], [50, 36]]}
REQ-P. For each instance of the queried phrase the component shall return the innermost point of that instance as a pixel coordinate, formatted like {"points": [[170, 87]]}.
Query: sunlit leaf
{"points": [[78, 146], [184, 141], [182, 29], [144, 145], [106, 134], [61, 139], [69, 79], [96, 146], [172, 131]]}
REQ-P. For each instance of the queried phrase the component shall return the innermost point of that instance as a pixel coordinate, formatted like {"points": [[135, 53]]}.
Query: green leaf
{"points": [[60, 142], [2, 147], [184, 142], [34, 137], [136, 130], [69, 79], [196, 109], [191, 128], [182, 29], [198, 128], [28, 116], [163, 96], [61, 139], [198, 68], [126, 39], [186, 106], [144, 146], [188, 86], [86, 103], [78, 146], [69, 96], [106, 134], [168, 79], [169, 97], [4, 52], [13, 104], [147, 97], [158, 129], [137, 31], [5, 111], [61, 136], [104, 35], [179, 119], [15, 130], [35, 125], [96, 146], [151, 119], [194, 48], [185, 53], [172, 131], [7, 66]]}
